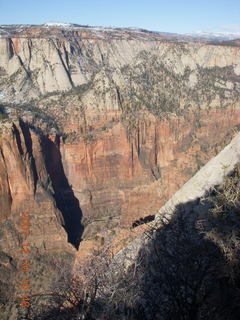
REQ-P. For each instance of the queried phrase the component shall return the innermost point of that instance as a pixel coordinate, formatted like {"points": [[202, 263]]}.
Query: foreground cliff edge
{"points": [[197, 188], [186, 266], [99, 128], [189, 257]]}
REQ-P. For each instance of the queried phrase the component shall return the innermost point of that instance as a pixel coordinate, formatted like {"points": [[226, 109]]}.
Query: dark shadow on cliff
{"points": [[183, 274], [188, 269], [141, 221], [28, 142], [66, 201], [2, 109], [180, 275]]}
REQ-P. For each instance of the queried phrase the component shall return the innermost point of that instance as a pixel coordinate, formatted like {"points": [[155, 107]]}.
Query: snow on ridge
{"points": [[58, 24], [97, 28], [215, 35]]}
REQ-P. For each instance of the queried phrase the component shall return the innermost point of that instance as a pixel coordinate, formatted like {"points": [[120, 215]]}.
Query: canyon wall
{"points": [[120, 178], [99, 128], [33, 231], [128, 118], [26, 187]]}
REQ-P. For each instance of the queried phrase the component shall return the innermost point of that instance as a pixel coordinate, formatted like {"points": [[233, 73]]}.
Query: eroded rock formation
{"points": [[112, 123], [141, 112]]}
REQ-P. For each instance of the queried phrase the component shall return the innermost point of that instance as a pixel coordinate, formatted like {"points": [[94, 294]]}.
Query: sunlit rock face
{"points": [[26, 187], [99, 128], [32, 228], [114, 121]]}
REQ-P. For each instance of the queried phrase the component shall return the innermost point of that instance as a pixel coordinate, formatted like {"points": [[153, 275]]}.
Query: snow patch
{"points": [[58, 24], [215, 35]]}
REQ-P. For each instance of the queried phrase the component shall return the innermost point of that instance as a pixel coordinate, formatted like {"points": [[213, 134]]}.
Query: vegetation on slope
{"points": [[188, 270]]}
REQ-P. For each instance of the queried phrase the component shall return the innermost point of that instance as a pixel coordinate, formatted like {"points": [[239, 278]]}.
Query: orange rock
{"points": [[119, 178]]}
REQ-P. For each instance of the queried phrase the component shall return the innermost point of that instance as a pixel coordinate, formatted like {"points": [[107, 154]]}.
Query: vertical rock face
{"points": [[5, 195], [99, 127], [132, 116], [122, 177], [26, 187]]}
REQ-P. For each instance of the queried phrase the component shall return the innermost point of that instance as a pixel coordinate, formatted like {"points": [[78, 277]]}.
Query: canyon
{"points": [[100, 127]]}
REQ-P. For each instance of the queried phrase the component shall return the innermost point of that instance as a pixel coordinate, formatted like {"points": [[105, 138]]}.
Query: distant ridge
{"points": [[58, 29], [220, 36]]}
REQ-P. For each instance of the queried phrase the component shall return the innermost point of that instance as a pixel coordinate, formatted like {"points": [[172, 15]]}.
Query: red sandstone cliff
{"points": [[25, 187], [98, 129], [119, 121], [120, 178]]}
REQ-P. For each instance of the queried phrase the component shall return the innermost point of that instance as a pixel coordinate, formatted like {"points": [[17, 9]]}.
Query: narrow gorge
{"points": [[100, 127]]}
